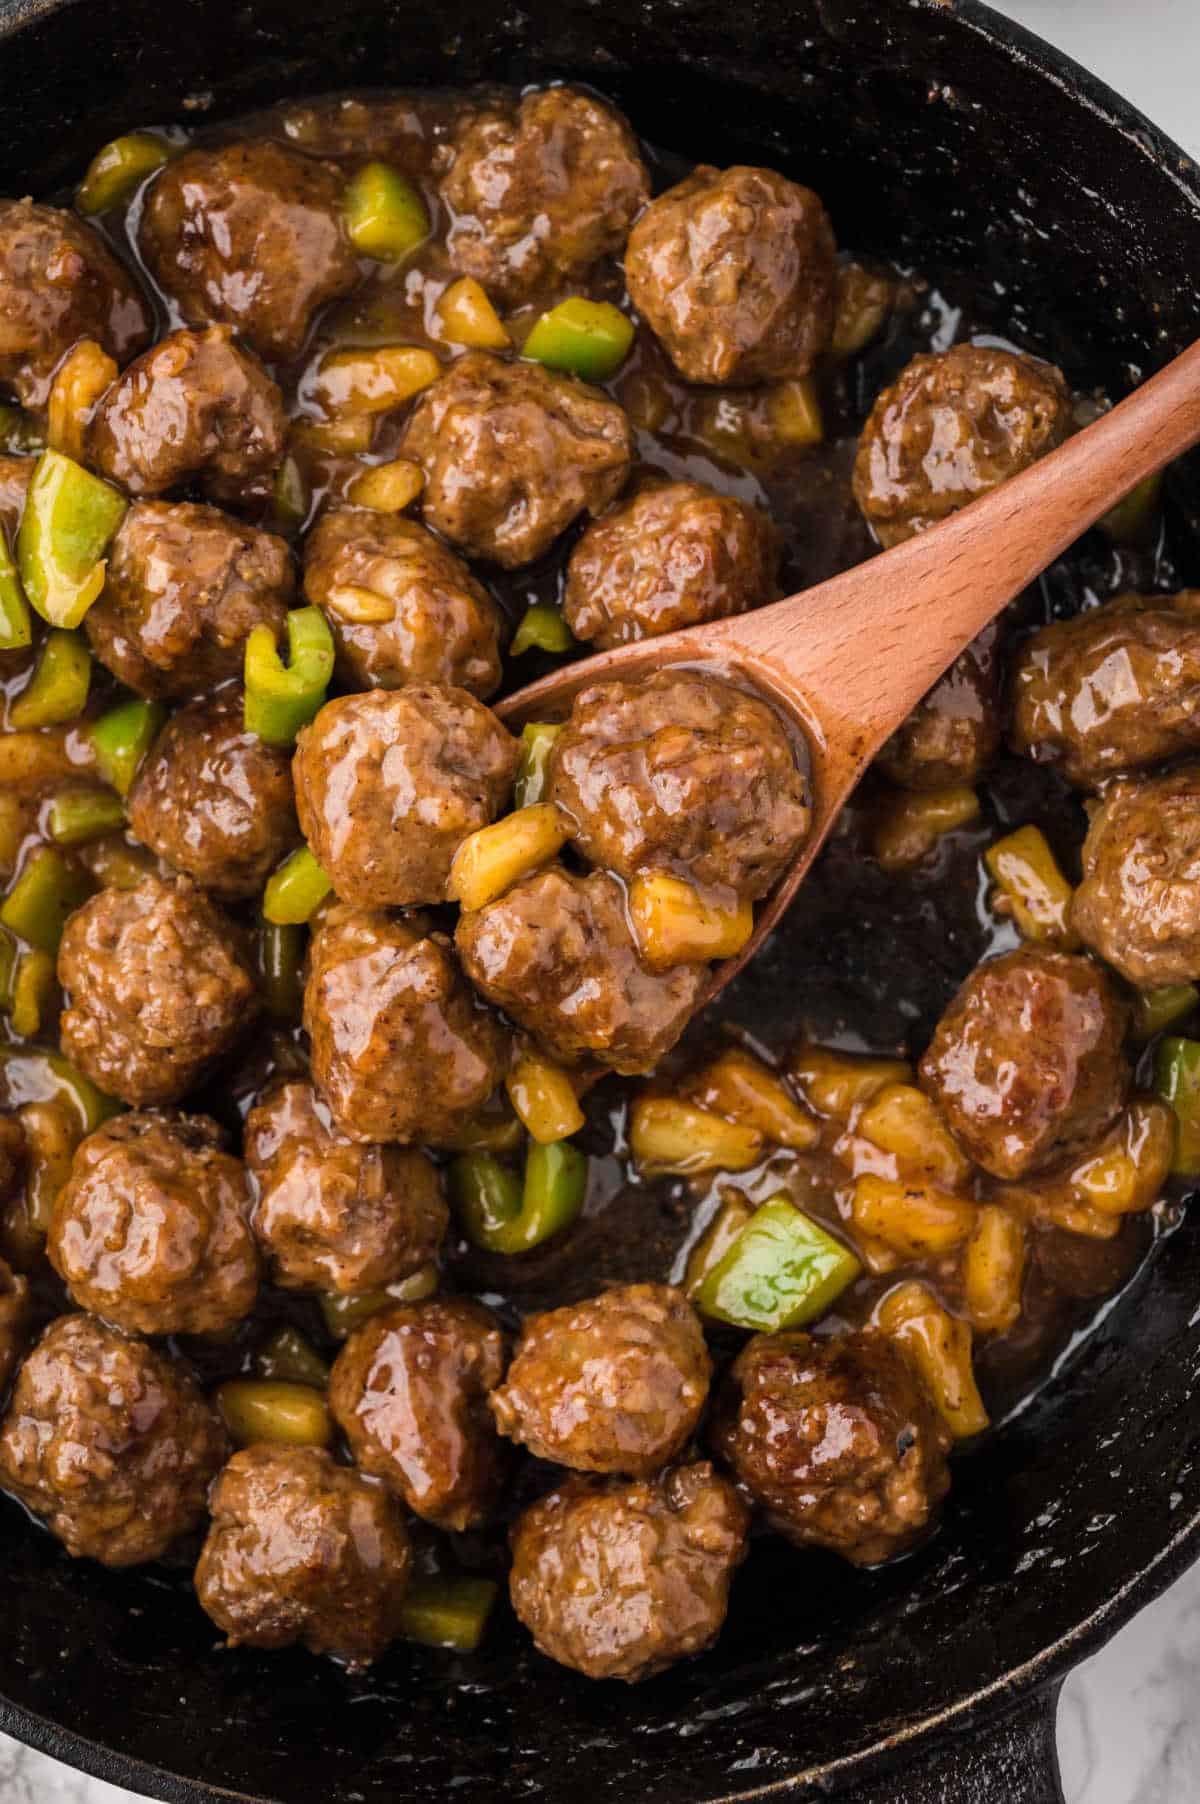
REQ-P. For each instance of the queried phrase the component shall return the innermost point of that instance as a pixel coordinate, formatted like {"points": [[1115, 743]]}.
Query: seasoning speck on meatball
{"points": [[1138, 905]]}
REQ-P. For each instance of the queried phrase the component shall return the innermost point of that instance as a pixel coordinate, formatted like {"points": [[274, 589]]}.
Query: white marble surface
{"points": [[1129, 1721]]}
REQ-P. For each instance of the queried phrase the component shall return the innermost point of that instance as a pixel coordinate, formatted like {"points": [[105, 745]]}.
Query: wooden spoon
{"points": [[849, 660]]}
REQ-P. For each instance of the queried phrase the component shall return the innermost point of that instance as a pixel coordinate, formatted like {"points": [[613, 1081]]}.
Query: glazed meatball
{"points": [[193, 406], [954, 734], [410, 1392], [59, 282], [953, 425], [1138, 905], [512, 454], [539, 191], [109, 1442], [676, 555], [151, 1230], [333, 1214], [619, 1580], [615, 1384], [401, 1050], [249, 235], [837, 1440], [681, 772], [389, 784], [438, 624], [184, 589], [1026, 1064], [158, 987], [735, 272], [556, 953], [214, 800], [302, 1549], [1112, 689], [14, 1315]]}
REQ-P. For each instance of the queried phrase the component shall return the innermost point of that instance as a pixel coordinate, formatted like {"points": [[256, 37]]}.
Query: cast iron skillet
{"points": [[938, 134]]}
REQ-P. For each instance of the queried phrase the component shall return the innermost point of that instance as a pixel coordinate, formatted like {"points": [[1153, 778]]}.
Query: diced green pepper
{"points": [[280, 699], [448, 1611], [501, 1217], [122, 737], [584, 338], [38, 904], [58, 689], [486, 1195], [68, 519], [782, 1270], [1155, 1010], [385, 215], [47, 1077], [76, 816], [542, 628], [1177, 1081], [32, 993], [288, 1356], [344, 1313], [537, 742], [117, 169], [295, 890], [281, 961], [1130, 522], [291, 493], [269, 1409], [9, 954], [16, 626]]}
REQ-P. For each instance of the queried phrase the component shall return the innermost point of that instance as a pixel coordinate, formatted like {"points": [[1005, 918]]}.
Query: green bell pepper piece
{"points": [[345, 1312], [583, 338], [537, 742], [281, 960], [122, 737], [9, 954], [1131, 521], [38, 904], [16, 624], [27, 1076], [486, 1196], [385, 215], [32, 993], [782, 1270], [1177, 1081], [20, 433], [295, 890], [76, 816], [58, 689], [117, 169], [499, 1217], [447, 1611], [281, 699], [291, 494], [68, 519], [542, 628], [287, 1356], [1155, 1010]]}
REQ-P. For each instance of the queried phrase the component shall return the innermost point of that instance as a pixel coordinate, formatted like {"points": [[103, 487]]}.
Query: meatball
{"points": [[735, 273], [953, 425], [438, 624], [400, 1048], [1138, 905], [512, 454], [193, 406], [1113, 689], [14, 1315], [151, 1229], [332, 1213], [556, 953], [249, 235], [837, 1440], [12, 1155], [410, 1390], [1026, 1064], [681, 772], [59, 282], [619, 1580], [675, 555], [614, 1384], [158, 988], [539, 190], [954, 734], [302, 1549], [109, 1442], [389, 784], [184, 589]]}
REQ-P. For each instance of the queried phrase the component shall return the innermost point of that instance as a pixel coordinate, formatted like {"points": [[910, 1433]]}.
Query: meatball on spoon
{"points": [[847, 662]]}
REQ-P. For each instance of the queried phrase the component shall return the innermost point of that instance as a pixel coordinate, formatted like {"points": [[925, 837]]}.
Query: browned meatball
{"points": [[436, 624], [837, 1440], [400, 1048], [249, 235], [109, 1442], [1026, 1063], [184, 589], [681, 772], [512, 454], [59, 282], [192, 406], [675, 555], [152, 1232], [953, 425], [410, 1391], [954, 734], [556, 953], [1113, 689], [614, 1384], [332, 1213], [735, 273], [619, 1580], [389, 784], [302, 1549], [540, 190], [14, 1314], [158, 988], [1138, 905], [12, 1154]]}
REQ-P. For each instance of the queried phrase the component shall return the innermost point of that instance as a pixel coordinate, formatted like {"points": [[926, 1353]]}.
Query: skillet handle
{"points": [[1013, 1761]]}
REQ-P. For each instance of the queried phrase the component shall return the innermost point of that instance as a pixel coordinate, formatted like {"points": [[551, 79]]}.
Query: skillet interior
{"points": [[932, 140]]}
